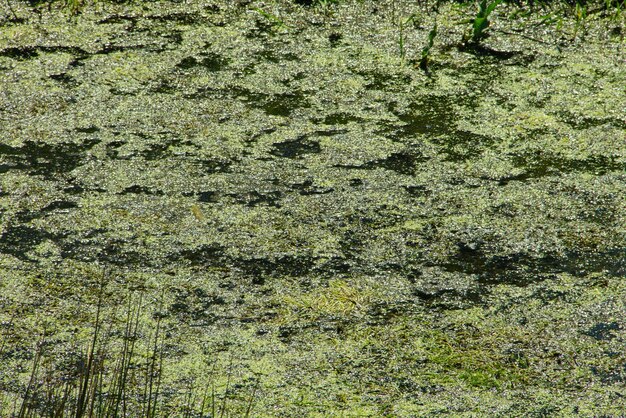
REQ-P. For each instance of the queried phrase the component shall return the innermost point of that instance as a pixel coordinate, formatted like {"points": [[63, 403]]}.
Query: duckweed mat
{"points": [[300, 209]]}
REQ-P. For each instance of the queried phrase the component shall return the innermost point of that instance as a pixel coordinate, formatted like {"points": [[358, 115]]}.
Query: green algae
{"points": [[373, 241]]}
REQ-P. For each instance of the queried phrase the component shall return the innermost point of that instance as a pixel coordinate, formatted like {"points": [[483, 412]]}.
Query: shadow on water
{"points": [[375, 80], [522, 269], [296, 148], [195, 304], [211, 61], [205, 255], [259, 269], [57, 205], [282, 104], [47, 160], [537, 164], [434, 117], [403, 162], [341, 119], [20, 239], [272, 104], [308, 187]]}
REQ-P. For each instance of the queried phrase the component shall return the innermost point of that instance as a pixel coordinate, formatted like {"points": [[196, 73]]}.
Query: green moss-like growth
{"points": [[206, 210]]}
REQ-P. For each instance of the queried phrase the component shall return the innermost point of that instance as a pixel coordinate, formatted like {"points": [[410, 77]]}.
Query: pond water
{"points": [[279, 195]]}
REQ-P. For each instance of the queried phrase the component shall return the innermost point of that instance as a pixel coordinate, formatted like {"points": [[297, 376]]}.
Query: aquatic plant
{"points": [[580, 15], [275, 21], [402, 23], [425, 55], [115, 367], [480, 22]]}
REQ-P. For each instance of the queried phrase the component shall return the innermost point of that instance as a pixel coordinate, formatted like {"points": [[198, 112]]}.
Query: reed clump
{"points": [[113, 367]]}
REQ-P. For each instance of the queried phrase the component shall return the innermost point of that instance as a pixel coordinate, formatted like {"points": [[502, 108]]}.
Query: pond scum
{"points": [[295, 208]]}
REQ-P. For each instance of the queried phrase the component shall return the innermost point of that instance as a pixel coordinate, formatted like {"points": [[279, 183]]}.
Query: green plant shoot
{"points": [[481, 22], [425, 58]]}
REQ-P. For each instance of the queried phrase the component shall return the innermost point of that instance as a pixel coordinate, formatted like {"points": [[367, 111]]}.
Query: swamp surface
{"points": [[268, 209]]}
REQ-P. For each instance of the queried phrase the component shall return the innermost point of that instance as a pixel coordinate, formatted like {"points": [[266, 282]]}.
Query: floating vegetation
{"points": [[312, 208]]}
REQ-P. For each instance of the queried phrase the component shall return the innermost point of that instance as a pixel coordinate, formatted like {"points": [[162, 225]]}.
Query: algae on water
{"points": [[263, 209]]}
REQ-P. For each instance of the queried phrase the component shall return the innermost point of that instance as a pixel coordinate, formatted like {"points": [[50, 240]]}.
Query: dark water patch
{"points": [[137, 189], [77, 62], [16, 20], [158, 149], [333, 267], [432, 115], [461, 146], [194, 303], [47, 160], [341, 119], [603, 331], [91, 248], [260, 269], [449, 298], [335, 39], [586, 122], [117, 19], [401, 162], [351, 245], [503, 181], [59, 205], [356, 182], [19, 239], [210, 61], [164, 86], [483, 51], [214, 62], [88, 130], [255, 198], [537, 164], [161, 145], [205, 255], [271, 104], [76, 189], [20, 53], [112, 152], [375, 80], [522, 269], [285, 104], [208, 197], [417, 190], [29, 52], [25, 216], [65, 79], [307, 188], [112, 48], [119, 92], [330, 132], [185, 18], [286, 333], [296, 148], [174, 37], [207, 92], [610, 377]]}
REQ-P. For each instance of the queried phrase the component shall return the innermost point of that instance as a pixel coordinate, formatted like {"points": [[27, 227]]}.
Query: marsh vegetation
{"points": [[312, 208]]}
